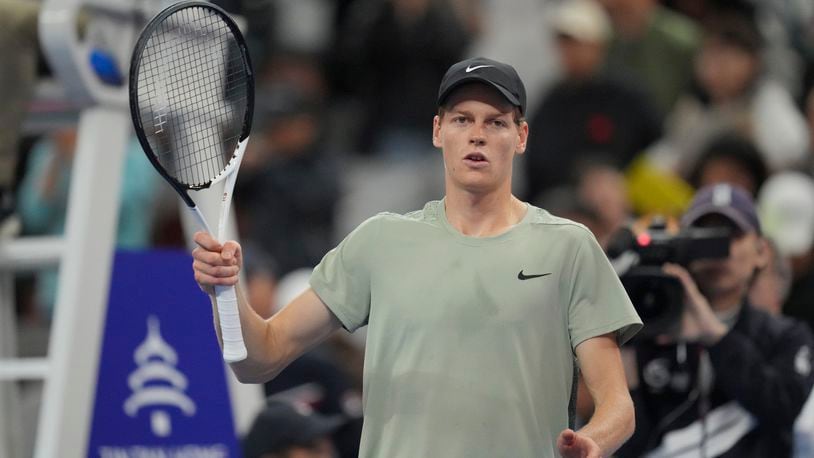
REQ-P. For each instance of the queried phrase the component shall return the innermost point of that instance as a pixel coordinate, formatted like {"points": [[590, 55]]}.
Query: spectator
{"points": [[598, 200], [603, 190], [317, 382], [787, 25], [288, 188], [733, 159], [401, 51], [732, 381], [586, 115], [653, 45], [734, 95], [282, 430], [43, 199], [787, 208]]}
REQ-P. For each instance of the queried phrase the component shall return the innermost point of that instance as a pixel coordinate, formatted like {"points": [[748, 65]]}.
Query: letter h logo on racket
{"points": [[160, 120]]}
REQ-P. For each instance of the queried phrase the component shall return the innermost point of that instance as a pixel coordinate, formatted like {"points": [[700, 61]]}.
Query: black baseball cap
{"points": [[727, 200], [502, 77], [281, 425]]}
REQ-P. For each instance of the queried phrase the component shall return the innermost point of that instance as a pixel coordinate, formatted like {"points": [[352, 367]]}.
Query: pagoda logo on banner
{"points": [[156, 384]]}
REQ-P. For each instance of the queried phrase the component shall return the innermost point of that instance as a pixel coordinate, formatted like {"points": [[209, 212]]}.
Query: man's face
{"points": [[723, 170], [479, 138], [724, 70], [747, 254]]}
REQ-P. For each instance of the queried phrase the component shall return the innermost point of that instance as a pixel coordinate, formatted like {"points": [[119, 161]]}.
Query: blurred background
{"points": [[633, 104]]}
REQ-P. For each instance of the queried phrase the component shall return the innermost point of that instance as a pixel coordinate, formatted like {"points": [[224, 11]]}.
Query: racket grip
{"points": [[234, 349]]}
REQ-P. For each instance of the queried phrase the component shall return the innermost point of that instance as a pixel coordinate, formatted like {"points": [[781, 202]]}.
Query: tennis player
{"points": [[480, 307]]}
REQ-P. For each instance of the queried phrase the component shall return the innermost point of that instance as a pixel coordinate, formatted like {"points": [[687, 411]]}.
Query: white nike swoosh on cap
{"points": [[469, 69]]}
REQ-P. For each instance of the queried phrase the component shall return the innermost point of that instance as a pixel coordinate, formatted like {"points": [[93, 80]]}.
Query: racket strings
{"points": [[192, 95], [213, 163]]}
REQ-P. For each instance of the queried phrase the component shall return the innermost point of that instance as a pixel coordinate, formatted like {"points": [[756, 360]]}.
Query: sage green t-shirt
{"points": [[470, 341]]}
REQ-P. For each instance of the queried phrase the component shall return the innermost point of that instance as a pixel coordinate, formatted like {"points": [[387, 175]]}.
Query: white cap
{"points": [[583, 20], [786, 207]]}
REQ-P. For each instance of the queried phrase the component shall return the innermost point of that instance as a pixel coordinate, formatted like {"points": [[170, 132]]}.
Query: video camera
{"points": [[638, 259]]}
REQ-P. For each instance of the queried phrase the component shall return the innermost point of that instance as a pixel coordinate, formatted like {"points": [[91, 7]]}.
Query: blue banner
{"points": [[161, 389]]}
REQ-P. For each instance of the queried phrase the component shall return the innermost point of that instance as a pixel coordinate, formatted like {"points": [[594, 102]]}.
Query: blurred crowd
{"points": [[634, 104]]}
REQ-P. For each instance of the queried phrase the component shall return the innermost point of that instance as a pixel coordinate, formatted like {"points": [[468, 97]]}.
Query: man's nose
{"points": [[477, 137]]}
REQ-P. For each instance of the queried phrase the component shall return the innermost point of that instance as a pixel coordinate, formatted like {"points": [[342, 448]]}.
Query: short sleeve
{"points": [[342, 278], [599, 303]]}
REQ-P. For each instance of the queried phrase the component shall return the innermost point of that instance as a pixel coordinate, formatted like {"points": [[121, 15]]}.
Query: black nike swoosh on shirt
{"points": [[522, 276]]}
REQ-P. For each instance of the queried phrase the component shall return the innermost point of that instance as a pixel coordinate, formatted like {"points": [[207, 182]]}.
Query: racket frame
{"points": [[234, 348]]}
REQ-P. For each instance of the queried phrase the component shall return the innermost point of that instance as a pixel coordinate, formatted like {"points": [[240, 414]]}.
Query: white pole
{"points": [[81, 303]]}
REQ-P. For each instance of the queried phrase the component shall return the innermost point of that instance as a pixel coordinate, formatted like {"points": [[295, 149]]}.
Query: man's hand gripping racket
{"points": [[191, 100]]}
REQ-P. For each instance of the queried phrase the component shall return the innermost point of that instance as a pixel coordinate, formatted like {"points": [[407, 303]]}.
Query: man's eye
{"points": [[499, 123], [459, 119]]}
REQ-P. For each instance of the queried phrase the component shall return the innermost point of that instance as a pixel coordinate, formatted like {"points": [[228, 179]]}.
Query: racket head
{"points": [[191, 94]]}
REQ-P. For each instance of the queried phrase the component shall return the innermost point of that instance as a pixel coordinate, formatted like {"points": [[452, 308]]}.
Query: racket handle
{"points": [[234, 349]]}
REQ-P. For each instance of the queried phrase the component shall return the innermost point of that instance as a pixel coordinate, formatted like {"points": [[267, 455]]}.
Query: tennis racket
{"points": [[191, 100]]}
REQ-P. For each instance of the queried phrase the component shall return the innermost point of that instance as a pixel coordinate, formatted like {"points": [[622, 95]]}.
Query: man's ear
{"points": [[523, 133], [436, 131]]}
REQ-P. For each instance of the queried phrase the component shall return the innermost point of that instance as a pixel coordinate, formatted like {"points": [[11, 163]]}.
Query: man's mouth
{"points": [[475, 157]]}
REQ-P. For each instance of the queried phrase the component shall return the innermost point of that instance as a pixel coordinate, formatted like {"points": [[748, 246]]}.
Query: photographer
{"points": [[731, 379]]}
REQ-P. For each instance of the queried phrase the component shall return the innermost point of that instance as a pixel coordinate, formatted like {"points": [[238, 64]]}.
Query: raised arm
{"points": [[271, 344], [613, 420]]}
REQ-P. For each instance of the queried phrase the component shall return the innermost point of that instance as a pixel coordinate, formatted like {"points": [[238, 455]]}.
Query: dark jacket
{"points": [[742, 403], [580, 123]]}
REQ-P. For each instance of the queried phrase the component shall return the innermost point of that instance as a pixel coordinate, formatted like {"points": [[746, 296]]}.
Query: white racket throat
{"points": [[234, 163]]}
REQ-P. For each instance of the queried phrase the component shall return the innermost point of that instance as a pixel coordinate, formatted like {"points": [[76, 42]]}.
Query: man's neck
{"points": [[483, 215]]}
